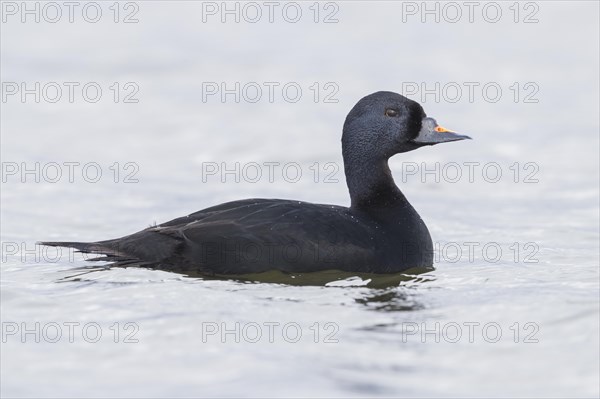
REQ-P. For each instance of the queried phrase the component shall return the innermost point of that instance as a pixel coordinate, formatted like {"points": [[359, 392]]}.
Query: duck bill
{"points": [[431, 133]]}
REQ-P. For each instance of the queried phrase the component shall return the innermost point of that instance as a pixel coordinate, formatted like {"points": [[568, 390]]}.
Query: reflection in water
{"points": [[390, 300], [329, 278], [389, 293]]}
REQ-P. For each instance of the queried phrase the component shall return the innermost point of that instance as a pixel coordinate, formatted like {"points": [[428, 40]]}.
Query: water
{"points": [[436, 334]]}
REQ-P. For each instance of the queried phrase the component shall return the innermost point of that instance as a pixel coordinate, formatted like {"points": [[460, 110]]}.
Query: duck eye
{"points": [[391, 112]]}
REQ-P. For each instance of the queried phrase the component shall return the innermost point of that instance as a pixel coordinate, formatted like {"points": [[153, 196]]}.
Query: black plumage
{"points": [[379, 233]]}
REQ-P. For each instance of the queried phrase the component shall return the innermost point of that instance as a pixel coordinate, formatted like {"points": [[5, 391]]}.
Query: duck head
{"points": [[384, 123]]}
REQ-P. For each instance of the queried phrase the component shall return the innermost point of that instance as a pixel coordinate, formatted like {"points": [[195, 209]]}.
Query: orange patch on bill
{"points": [[440, 129]]}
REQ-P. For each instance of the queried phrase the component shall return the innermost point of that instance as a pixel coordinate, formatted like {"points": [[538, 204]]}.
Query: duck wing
{"points": [[249, 236]]}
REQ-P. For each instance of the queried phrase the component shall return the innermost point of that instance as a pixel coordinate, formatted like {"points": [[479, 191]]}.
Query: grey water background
{"points": [[387, 342]]}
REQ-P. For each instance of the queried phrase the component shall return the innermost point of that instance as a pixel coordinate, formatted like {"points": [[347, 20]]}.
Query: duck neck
{"points": [[371, 184]]}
